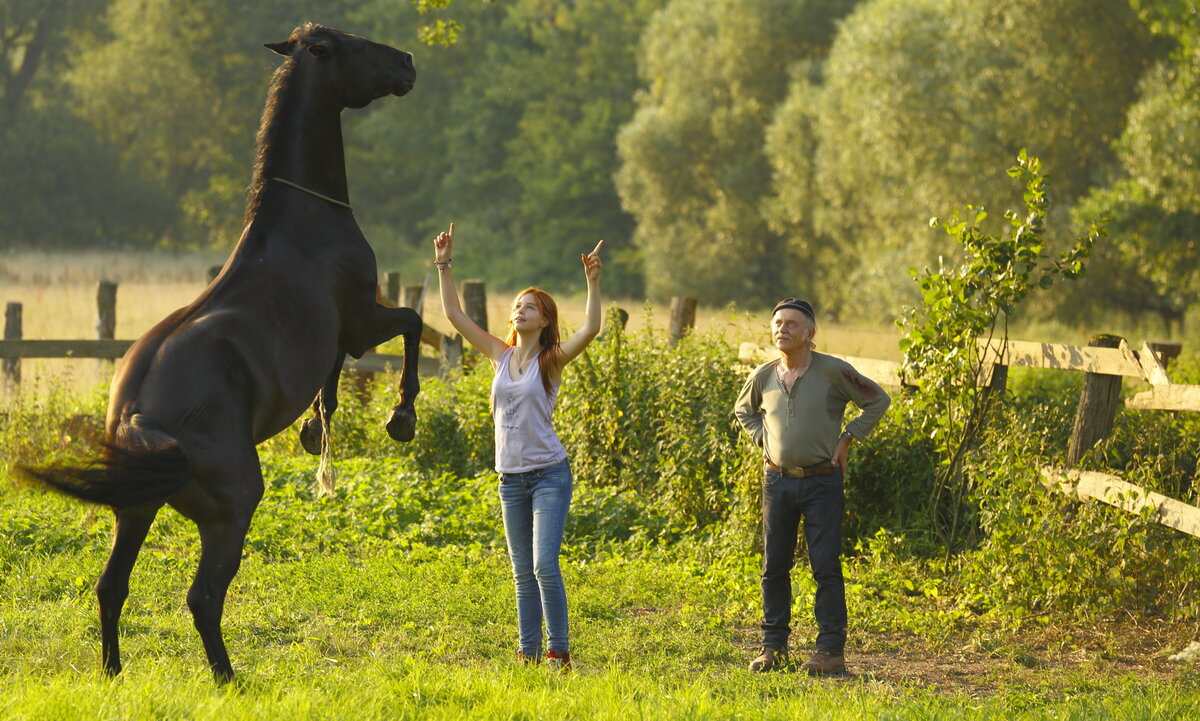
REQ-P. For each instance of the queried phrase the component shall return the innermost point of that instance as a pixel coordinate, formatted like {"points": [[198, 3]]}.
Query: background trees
{"points": [[734, 151], [694, 172]]}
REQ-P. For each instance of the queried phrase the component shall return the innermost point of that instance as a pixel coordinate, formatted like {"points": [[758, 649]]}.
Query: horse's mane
{"points": [[270, 111]]}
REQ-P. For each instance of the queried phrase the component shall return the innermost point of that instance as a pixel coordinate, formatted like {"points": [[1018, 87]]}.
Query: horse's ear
{"points": [[283, 48]]}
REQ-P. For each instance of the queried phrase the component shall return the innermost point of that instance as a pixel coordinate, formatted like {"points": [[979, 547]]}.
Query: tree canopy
{"points": [[732, 150]]}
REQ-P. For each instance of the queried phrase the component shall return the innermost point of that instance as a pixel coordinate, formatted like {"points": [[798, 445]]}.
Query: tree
{"points": [[179, 88], [63, 186], [1150, 263], [924, 98], [510, 134], [34, 36], [693, 172]]}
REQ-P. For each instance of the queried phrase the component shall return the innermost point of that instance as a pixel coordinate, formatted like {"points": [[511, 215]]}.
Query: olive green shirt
{"points": [[801, 427]]}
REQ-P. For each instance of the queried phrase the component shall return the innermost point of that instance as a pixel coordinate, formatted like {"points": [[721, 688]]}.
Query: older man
{"points": [[793, 408]]}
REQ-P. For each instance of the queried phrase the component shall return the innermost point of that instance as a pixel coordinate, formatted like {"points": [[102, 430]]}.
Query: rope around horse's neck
{"points": [[335, 201]]}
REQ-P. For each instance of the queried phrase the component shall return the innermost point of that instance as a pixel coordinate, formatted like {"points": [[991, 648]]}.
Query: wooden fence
{"points": [[1105, 361], [14, 347]]}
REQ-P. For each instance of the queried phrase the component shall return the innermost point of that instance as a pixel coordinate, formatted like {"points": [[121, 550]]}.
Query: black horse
{"points": [[197, 393]]}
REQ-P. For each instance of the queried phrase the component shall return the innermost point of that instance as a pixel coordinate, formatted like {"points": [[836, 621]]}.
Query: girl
{"points": [[535, 477]]}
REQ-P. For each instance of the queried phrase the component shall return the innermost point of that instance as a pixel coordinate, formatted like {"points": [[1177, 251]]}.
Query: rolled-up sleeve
{"points": [[867, 395]]}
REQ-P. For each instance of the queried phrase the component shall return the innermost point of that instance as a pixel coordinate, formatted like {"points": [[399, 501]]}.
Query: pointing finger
{"points": [[598, 246], [452, 229]]}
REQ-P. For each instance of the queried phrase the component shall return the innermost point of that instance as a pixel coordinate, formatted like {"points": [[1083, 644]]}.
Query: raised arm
{"points": [[573, 346], [480, 339]]}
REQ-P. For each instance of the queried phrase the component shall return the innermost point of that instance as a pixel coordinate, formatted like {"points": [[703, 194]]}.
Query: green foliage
{"points": [[1149, 264], [962, 325], [655, 419], [394, 598], [509, 133], [693, 171], [925, 101]]}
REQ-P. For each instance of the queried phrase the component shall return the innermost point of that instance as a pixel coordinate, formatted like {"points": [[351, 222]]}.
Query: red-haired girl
{"points": [[535, 476]]}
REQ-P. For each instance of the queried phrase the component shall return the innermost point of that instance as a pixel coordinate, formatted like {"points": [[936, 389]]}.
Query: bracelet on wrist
{"points": [[846, 436], [442, 264]]}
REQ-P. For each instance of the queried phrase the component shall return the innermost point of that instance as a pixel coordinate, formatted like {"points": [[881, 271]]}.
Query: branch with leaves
{"points": [[962, 323]]}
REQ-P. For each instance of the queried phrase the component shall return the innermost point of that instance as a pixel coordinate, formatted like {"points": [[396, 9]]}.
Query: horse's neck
{"points": [[302, 142]]}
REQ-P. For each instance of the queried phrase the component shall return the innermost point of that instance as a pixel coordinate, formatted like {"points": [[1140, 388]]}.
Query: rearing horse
{"points": [[201, 389]]}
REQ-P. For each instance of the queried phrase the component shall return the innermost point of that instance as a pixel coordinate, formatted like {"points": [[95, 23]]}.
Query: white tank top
{"points": [[521, 410]]}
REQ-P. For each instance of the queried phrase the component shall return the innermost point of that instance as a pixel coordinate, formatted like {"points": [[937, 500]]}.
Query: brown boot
{"points": [[769, 660], [825, 663]]}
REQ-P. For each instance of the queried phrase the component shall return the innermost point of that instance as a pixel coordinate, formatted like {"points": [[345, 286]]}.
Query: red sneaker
{"points": [[559, 660]]}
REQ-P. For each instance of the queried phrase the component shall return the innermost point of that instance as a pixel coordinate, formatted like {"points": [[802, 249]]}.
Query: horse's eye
{"points": [[318, 50]]}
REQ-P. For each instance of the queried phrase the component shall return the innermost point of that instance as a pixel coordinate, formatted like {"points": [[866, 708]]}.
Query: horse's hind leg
{"points": [[113, 586], [220, 558], [323, 407], [221, 503]]}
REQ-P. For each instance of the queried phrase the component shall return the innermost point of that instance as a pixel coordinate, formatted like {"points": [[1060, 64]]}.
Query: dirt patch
{"points": [[1049, 660]]}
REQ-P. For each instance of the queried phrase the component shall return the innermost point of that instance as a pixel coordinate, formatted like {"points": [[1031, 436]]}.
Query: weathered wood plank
{"points": [[382, 362], [1152, 369], [371, 362], [883, 372], [64, 348], [1166, 398], [1087, 485], [1056, 356]]}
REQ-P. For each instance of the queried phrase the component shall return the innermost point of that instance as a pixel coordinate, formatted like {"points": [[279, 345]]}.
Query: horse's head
{"points": [[355, 69]]}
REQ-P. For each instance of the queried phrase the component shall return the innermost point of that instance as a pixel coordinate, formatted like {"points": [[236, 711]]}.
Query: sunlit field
{"points": [[58, 295]]}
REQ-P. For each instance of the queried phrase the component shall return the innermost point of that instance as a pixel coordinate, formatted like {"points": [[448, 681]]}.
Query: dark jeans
{"points": [[820, 500]]}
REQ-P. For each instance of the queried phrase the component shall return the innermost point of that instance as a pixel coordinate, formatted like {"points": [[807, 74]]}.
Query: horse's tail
{"points": [[147, 467]]}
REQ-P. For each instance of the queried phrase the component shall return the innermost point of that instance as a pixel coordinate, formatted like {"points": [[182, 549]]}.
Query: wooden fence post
{"points": [[1097, 405], [683, 317], [475, 302], [391, 287], [12, 331], [452, 352], [106, 310], [411, 297]]}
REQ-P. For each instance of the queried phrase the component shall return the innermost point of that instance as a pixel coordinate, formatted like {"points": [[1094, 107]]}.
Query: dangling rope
{"points": [[326, 475]]}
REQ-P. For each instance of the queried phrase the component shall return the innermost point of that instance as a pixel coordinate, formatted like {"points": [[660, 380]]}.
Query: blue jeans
{"points": [[535, 512], [821, 501]]}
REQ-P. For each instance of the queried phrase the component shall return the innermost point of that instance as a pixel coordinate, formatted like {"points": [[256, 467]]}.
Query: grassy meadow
{"points": [[393, 600]]}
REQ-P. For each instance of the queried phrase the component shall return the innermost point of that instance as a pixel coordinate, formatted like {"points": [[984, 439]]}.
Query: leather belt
{"points": [[819, 469]]}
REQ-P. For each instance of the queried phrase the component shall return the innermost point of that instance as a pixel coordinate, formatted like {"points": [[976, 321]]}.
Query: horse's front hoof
{"points": [[112, 668], [310, 436], [223, 676], [402, 426]]}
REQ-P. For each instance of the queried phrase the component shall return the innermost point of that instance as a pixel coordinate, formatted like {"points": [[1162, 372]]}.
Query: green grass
{"points": [[358, 607], [394, 599]]}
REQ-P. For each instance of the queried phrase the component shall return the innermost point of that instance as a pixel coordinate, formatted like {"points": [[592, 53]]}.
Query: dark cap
{"points": [[794, 304]]}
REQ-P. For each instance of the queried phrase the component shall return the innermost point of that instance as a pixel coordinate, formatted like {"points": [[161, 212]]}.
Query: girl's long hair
{"points": [[548, 339]]}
